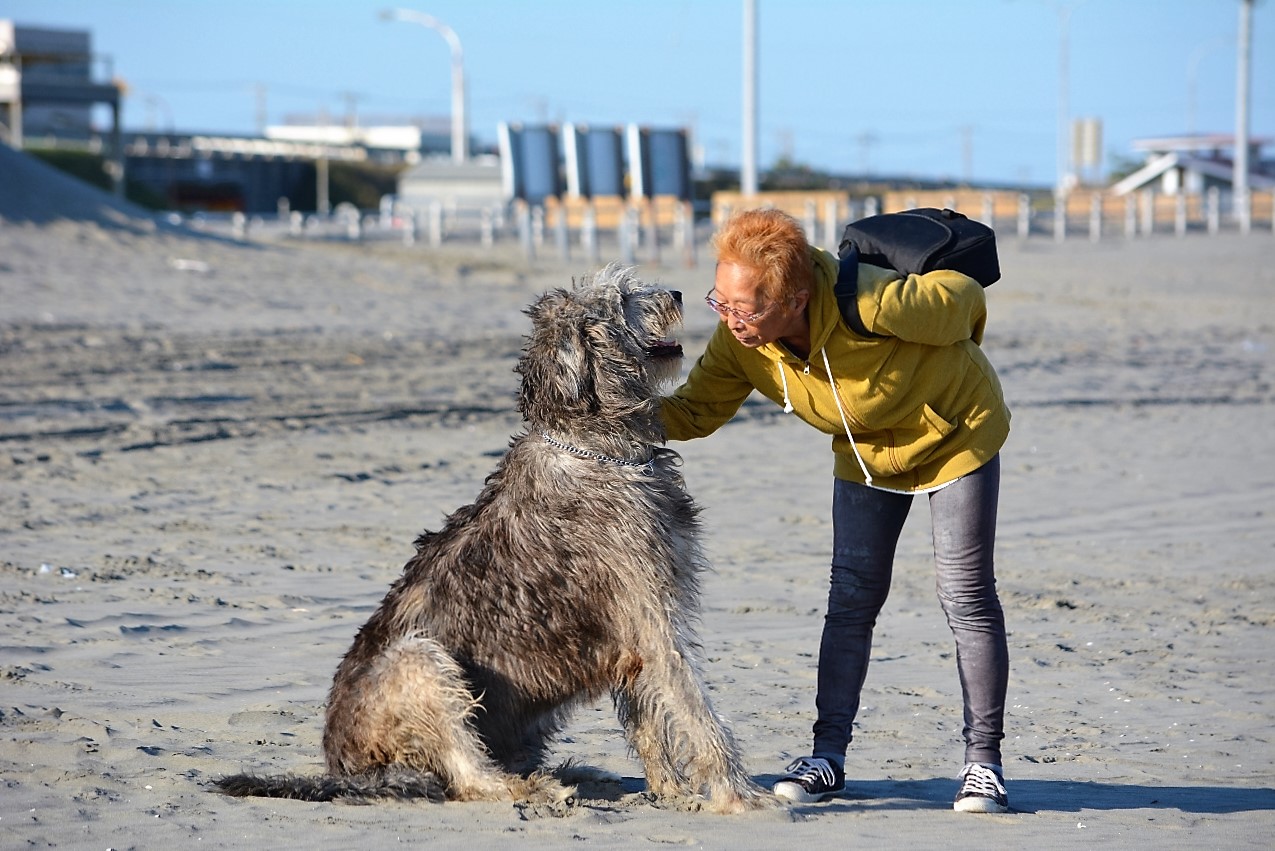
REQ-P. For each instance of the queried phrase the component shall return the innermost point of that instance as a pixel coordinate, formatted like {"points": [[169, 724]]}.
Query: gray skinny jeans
{"points": [[866, 527]]}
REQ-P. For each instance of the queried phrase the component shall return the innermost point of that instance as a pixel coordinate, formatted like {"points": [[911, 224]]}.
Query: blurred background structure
{"points": [[649, 120]]}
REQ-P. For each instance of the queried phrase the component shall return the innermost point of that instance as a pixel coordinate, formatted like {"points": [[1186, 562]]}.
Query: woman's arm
{"points": [[712, 393]]}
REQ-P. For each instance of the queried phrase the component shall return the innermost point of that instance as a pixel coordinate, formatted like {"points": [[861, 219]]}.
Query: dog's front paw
{"points": [[735, 800], [545, 789]]}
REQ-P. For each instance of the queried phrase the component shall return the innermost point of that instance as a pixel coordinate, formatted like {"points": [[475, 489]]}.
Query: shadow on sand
{"points": [[1032, 796]]}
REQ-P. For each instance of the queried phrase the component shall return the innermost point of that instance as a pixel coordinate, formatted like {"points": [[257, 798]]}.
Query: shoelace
{"points": [[982, 781], [806, 770]]}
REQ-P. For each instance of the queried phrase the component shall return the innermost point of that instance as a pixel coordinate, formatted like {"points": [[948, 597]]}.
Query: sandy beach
{"points": [[214, 458]]}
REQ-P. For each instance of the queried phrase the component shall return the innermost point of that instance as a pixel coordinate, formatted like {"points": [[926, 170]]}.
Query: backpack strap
{"points": [[846, 291]]}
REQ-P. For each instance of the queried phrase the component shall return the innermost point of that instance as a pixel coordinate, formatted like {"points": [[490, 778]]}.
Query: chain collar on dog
{"points": [[647, 466]]}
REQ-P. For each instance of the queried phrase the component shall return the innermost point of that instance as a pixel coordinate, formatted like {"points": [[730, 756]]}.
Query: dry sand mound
{"points": [[36, 192]]}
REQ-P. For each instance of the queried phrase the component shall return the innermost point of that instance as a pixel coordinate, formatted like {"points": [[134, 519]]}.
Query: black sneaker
{"points": [[982, 790], [810, 779]]}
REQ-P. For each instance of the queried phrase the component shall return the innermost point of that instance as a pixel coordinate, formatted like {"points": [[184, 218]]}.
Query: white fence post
{"points": [[1148, 212], [1024, 216], [1095, 217], [626, 236], [830, 223], [486, 230], [410, 226], [524, 232], [435, 224], [1213, 207], [538, 227], [689, 249], [589, 232], [560, 234]]}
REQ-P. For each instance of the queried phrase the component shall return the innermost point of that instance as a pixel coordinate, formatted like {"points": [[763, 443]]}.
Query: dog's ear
{"points": [[556, 363], [618, 375]]}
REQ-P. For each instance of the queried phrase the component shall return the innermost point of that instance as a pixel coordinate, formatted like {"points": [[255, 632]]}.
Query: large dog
{"points": [[574, 574]]}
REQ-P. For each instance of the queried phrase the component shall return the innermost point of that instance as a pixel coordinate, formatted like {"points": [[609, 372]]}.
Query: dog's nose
{"points": [[677, 295]]}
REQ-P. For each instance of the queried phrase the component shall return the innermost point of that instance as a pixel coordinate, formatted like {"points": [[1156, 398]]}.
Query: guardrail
{"points": [[668, 231]]}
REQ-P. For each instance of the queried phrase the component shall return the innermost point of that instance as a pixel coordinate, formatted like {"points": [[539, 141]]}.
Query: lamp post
{"points": [[460, 132]]}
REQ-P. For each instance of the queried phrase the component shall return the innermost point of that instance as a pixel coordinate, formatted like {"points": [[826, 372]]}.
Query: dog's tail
{"points": [[398, 784]]}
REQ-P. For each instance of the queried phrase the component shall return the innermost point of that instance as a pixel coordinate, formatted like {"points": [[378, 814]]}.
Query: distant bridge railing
{"points": [[667, 231]]}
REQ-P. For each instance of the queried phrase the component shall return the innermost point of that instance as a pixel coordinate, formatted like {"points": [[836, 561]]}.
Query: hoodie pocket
{"points": [[912, 442]]}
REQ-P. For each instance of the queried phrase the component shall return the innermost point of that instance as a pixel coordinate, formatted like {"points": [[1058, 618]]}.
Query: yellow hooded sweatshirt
{"points": [[918, 395]]}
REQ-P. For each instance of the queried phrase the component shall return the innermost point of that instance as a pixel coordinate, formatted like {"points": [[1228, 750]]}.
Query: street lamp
{"points": [[460, 133]]}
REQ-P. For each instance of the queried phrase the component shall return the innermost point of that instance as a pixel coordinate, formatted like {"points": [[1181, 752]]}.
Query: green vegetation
{"points": [[91, 168]]}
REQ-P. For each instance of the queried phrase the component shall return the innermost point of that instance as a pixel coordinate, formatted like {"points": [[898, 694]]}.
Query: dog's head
{"points": [[599, 353]]}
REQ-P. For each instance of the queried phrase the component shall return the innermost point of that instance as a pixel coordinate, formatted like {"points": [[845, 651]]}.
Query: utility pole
{"points": [[1239, 176], [351, 108], [1063, 181], [259, 89], [866, 140], [1192, 74], [967, 153], [748, 165]]}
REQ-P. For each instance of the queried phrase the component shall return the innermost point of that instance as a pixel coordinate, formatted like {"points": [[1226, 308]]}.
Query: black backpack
{"points": [[913, 242]]}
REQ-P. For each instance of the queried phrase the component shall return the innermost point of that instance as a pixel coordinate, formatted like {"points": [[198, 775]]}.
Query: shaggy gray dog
{"points": [[574, 574]]}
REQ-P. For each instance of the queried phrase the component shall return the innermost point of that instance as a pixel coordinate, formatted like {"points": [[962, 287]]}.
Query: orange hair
{"points": [[772, 244]]}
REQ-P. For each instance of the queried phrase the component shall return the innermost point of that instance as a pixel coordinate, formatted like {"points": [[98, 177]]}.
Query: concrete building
{"points": [[47, 88], [475, 184]]}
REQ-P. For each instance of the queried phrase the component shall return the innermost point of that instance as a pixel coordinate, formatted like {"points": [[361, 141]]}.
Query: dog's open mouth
{"points": [[664, 349]]}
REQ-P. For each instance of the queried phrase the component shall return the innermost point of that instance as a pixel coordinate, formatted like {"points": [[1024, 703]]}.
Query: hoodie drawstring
{"points": [[783, 377], [867, 477]]}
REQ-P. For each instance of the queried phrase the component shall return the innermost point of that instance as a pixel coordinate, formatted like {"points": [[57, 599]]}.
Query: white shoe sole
{"points": [[793, 792], [978, 805]]}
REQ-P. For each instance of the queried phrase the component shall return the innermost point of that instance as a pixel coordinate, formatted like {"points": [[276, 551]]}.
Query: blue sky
{"points": [[932, 88]]}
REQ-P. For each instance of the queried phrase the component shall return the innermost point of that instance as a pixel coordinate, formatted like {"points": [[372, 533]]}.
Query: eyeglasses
{"points": [[725, 310]]}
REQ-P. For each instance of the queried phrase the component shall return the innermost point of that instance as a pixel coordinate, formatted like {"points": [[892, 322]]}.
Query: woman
{"points": [[913, 406]]}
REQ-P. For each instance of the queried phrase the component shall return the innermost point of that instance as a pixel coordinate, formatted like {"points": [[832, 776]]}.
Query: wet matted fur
{"points": [[574, 574]]}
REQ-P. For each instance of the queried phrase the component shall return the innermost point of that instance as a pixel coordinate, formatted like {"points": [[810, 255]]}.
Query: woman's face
{"points": [[752, 320]]}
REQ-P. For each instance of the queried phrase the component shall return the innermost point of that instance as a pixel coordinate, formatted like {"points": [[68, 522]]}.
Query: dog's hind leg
{"points": [[685, 747], [411, 707]]}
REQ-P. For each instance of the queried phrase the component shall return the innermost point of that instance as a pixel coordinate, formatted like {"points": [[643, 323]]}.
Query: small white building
{"points": [[1192, 164], [473, 185]]}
